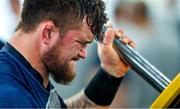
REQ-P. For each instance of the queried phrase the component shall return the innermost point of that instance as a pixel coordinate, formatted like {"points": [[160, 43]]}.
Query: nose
{"points": [[82, 53]]}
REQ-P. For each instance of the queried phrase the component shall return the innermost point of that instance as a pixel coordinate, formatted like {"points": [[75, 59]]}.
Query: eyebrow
{"points": [[87, 41]]}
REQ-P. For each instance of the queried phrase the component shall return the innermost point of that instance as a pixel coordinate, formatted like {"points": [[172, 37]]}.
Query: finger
{"points": [[119, 33], [132, 44], [109, 36], [125, 40]]}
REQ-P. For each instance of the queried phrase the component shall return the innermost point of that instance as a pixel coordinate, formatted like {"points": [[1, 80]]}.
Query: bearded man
{"points": [[51, 36]]}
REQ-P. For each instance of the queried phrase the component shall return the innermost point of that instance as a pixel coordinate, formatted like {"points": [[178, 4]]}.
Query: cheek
{"points": [[71, 52], [72, 49], [76, 49]]}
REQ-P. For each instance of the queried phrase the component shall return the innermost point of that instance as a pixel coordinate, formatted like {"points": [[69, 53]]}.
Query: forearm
{"points": [[100, 92], [80, 100]]}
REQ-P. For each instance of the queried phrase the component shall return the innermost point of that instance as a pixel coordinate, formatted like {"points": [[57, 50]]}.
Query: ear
{"points": [[47, 31]]}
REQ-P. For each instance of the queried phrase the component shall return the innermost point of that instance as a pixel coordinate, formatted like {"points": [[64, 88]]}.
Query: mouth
{"points": [[73, 62], [75, 59]]}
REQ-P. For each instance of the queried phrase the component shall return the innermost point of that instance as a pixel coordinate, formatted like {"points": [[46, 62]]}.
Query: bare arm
{"points": [[80, 100], [100, 92]]}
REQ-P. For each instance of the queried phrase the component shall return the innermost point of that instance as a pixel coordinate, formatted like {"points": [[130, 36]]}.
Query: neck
{"points": [[28, 45]]}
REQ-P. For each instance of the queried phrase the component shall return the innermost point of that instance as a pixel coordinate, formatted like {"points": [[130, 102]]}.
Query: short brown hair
{"points": [[64, 14]]}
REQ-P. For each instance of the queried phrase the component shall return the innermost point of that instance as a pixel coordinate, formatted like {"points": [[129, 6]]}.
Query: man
{"points": [[50, 37]]}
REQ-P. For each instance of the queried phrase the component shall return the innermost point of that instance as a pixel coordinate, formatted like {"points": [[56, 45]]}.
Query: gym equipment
{"points": [[170, 91]]}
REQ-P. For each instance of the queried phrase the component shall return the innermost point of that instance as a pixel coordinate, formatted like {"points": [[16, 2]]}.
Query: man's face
{"points": [[65, 49]]}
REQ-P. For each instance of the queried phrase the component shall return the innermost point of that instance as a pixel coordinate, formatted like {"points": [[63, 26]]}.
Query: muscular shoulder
{"points": [[12, 95], [9, 69], [6, 62]]}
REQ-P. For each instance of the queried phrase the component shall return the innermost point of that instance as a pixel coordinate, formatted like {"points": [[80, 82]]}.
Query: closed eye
{"points": [[84, 44]]}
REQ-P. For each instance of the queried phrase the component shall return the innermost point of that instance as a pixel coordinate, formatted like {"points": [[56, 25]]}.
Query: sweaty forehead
{"points": [[86, 32]]}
